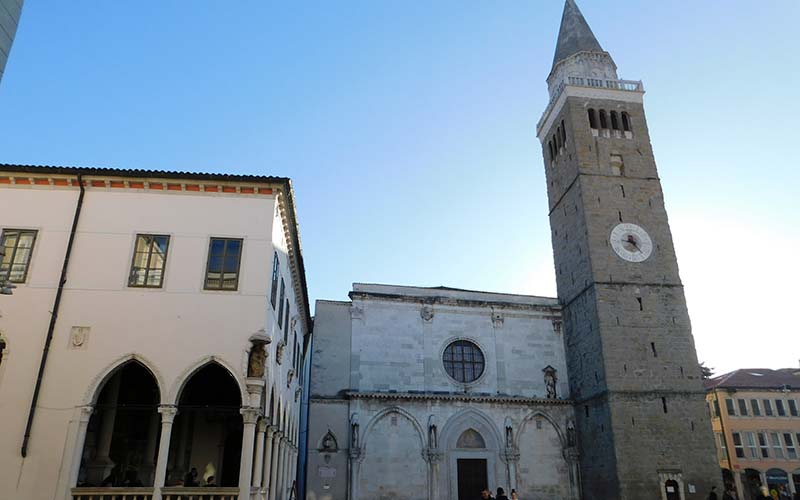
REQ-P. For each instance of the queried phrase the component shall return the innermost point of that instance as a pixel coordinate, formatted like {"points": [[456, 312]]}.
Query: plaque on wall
{"points": [[327, 472]]}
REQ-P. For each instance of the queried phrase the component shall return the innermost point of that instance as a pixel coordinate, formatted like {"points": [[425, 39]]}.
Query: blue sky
{"points": [[409, 131]]}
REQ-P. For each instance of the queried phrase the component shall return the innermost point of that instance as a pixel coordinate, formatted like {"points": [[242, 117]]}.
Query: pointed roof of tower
{"points": [[575, 34]]}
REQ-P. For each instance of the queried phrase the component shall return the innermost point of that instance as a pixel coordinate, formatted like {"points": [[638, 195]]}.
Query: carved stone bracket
{"points": [[426, 313], [279, 351], [557, 325], [356, 312], [432, 455], [289, 377], [497, 319]]}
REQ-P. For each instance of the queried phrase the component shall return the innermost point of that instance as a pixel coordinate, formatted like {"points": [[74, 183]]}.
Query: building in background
{"points": [[438, 393], [756, 421], [10, 11], [159, 325]]}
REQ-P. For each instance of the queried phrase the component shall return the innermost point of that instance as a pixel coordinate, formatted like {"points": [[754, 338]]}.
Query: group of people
{"points": [[191, 480], [764, 493], [501, 494]]}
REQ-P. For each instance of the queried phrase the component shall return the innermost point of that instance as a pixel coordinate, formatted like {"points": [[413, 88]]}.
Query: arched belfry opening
{"points": [[122, 436], [207, 434]]}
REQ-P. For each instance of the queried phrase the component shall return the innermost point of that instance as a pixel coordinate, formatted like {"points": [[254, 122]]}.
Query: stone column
{"points": [[85, 413], [249, 418], [571, 456], [258, 465], [284, 466], [276, 458], [293, 467], [265, 486], [150, 449], [432, 457], [102, 464], [168, 413], [355, 465], [512, 459]]}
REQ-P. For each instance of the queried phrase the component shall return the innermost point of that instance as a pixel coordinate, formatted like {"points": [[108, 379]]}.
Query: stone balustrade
{"points": [[121, 493]]}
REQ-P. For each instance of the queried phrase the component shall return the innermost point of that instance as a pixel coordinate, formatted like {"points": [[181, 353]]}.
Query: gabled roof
{"points": [[757, 378], [575, 34]]}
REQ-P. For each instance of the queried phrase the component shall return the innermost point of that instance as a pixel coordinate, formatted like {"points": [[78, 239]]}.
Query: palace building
{"points": [[158, 325]]}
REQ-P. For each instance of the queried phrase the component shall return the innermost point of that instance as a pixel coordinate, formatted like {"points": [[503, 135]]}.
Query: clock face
{"points": [[631, 242]]}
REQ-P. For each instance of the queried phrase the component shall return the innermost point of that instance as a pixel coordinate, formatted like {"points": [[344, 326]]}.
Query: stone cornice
{"points": [[554, 310], [432, 396]]}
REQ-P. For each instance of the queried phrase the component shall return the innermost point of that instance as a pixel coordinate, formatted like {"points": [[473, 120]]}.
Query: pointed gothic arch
{"points": [[98, 382], [470, 418], [386, 412], [180, 383], [534, 414]]}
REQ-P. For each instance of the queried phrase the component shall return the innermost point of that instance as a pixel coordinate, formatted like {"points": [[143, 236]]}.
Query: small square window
{"points": [[17, 246], [149, 261], [224, 257]]}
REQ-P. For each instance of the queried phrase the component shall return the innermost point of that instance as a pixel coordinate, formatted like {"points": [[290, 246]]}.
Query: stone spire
{"points": [[575, 34], [578, 53]]}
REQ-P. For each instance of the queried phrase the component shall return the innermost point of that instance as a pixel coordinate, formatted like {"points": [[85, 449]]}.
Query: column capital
{"points": [[85, 413], [249, 415], [262, 425], [168, 413], [272, 429]]}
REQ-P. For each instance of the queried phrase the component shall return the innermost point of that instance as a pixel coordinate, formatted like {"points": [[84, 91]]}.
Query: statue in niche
{"points": [[433, 438], [571, 441], [257, 361], [550, 380], [354, 431], [509, 432]]}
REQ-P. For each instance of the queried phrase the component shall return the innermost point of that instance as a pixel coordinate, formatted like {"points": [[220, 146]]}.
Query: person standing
{"points": [[501, 494], [514, 495], [713, 494], [486, 494]]}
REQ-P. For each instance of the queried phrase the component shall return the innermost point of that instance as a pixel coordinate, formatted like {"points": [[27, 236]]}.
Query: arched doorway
{"points": [[122, 436], [207, 434], [778, 480], [672, 490], [472, 472], [751, 482]]}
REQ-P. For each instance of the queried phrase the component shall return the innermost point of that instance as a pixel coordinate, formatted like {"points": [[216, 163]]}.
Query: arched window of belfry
{"points": [[592, 118], [626, 122], [614, 120], [563, 133], [603, 119], [470, 438]]}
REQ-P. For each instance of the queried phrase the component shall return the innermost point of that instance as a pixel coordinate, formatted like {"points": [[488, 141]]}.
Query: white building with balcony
{"points": [[158, 326]]}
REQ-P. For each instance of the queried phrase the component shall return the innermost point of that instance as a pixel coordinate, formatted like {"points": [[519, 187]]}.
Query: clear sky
{"points": [[409, 131]]}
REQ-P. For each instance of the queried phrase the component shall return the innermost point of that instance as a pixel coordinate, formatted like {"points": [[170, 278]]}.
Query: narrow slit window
{"points": [[563, 133], [664, 404], [603, 119], [286, 323], [653, 348]]}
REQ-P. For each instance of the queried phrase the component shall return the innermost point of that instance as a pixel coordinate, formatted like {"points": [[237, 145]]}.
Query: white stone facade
{"points": [[169, 334], [387, 421]]}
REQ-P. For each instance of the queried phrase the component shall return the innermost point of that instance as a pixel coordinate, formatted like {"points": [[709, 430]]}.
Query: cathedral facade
{"points": [[596, 394]]}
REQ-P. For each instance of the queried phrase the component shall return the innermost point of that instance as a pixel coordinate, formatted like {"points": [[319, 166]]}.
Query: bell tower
{"points": [[642, 422]]}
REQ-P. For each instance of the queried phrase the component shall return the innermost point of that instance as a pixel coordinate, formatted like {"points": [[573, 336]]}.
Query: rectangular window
{"points": [[716, 408], [276, 264], [729, 406], [17, 245], [767, 407], [793, 407], [791, 450], [224, 257], [149, 261], [723, 449], [776, 444], [754, 406], [762, 443], [742, 407], [737, 444], [280, 309], [780, 408], [751, 445], [286, 324]]}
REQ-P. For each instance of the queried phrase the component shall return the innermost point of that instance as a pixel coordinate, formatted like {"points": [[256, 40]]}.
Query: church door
{"points": [[672, 490], [471, 478]]}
